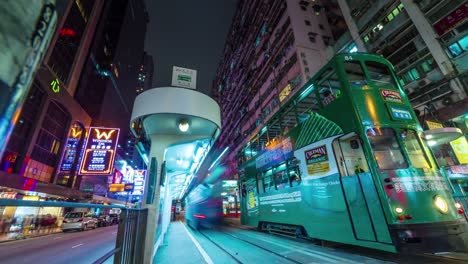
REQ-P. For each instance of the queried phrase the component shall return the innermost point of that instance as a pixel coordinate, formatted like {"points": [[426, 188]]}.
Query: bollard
{"points": [[26, 231]]}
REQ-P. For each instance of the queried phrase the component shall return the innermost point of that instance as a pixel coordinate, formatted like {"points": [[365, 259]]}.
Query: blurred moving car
{"points": [[78, 221]]}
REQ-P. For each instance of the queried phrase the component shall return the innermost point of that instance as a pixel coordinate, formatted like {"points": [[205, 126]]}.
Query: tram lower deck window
{"points": [[386, 149]]}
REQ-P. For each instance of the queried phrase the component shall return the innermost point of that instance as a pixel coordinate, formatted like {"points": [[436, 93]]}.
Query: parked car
{"points": [[114, 218], [103, 220], [78, 221]]}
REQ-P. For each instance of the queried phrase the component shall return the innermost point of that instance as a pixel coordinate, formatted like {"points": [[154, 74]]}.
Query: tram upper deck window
{"points": [[380, 74], [355, 73], [414, 149], [386, 149], [329, 87]]}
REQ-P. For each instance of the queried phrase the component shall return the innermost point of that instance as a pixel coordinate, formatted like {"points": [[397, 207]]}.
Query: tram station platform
{"points": [[179, 246], [231, 243]]}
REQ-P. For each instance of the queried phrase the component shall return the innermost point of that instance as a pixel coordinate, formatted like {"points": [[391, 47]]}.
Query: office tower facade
{"points": [[145, 74], [39, 139], [106, 89], [271, 50]]}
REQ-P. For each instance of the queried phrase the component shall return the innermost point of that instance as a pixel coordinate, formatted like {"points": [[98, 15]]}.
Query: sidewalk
{"points": [[178, 247]]}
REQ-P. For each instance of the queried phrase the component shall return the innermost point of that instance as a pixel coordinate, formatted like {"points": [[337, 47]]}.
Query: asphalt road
{"points": [[71, 247]]}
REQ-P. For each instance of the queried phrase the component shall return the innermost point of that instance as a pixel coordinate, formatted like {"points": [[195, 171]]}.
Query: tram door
{"points": [[361, 198]]}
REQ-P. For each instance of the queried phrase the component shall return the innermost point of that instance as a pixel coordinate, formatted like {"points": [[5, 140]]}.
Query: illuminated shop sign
{"points": [[71, 148], [99, 152], [117, 187], [139, 182]]}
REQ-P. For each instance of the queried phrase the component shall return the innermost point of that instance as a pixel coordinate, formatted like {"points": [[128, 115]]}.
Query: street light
{"points": [[183, 125]]}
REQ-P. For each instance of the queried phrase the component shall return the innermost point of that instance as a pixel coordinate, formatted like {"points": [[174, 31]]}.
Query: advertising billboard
{"points": [[99, 152]]}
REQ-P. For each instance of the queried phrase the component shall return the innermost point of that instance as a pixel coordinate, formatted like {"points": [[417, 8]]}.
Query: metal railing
{"points": [[131, 236], [129, 246]]}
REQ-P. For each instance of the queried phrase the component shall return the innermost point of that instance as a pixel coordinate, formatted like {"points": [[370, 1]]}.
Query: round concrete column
{"points": [[161, 110]]}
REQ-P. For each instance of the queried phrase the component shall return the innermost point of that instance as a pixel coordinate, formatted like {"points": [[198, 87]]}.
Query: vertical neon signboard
{"points": [[69, 155], [99, 153]]}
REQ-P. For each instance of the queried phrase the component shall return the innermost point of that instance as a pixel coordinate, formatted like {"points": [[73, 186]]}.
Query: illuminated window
{"points": [[386, 149], [390, 17], [414, 149]]}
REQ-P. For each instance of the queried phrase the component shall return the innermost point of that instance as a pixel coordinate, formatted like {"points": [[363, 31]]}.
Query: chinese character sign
{"points": [[139, 182], [99, 152]]}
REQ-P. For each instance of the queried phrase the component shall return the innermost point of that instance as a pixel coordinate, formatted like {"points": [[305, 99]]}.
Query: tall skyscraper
{"points": [[39, 141], [106, 89], [145, 74], [272, 49]]}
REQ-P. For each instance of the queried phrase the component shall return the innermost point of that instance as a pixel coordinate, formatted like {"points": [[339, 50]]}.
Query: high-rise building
{"points": [[40, 139], [274, 47], [106, 89], [22, 47], [427, 43], [145, 74]]}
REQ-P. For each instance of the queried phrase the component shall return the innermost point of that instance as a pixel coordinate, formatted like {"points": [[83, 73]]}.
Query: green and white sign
{"points": [[183, 77]]}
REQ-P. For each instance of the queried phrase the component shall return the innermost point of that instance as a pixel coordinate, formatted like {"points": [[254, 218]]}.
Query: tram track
{"points": [[307, 255], [237, 259], [446, 258]]}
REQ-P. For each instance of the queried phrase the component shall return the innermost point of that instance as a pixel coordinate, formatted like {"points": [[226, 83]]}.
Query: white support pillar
{"points": [[353, 29]]}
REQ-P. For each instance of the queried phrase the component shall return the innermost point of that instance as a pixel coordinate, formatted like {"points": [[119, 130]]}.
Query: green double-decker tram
{"points": [[343, 160]]}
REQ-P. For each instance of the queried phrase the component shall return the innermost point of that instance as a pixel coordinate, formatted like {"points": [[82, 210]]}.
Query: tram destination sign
{"points": [[99, 154]]}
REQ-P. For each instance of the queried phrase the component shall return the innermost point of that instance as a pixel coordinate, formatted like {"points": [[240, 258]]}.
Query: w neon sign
{"points": [[99, 152]]}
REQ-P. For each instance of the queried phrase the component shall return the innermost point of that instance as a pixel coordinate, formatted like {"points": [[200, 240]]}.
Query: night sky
{"points": [[189, 34]]}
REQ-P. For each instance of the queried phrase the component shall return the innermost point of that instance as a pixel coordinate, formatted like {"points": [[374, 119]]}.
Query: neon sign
{"points": [[55, 85], [99, 152], [67, 32], [69, 155]]}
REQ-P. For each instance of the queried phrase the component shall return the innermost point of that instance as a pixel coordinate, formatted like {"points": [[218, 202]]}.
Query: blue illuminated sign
{"points": [[400, 113]]}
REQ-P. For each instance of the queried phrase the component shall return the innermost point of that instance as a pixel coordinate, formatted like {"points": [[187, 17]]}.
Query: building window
{"points": [[24, 128], [307, 22], [458, 47], [53, 133], [69, 40]]}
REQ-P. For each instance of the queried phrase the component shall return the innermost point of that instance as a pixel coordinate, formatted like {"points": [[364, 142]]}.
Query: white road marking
{"points": [[55, 238], [202, 251], [114, 232], [75, 246]]}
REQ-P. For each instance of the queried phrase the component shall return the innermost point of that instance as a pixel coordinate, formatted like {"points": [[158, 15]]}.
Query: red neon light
{"points": [[199, 216], [67, 32]]}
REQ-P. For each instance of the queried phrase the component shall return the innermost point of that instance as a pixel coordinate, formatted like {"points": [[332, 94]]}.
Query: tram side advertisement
{"points": [[99, 151]]}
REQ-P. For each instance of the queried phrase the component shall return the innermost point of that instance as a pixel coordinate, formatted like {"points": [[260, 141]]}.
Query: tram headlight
{"points": [[399, 210], [458, 205], [441, 204]]}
